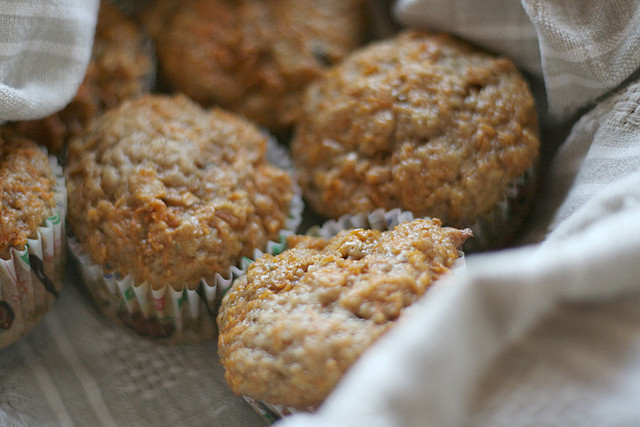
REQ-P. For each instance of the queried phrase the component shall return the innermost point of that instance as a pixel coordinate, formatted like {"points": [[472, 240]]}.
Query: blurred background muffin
{"points": [[253, 57], [31, 236], [121, 67], [424, 123], [293, 325], [170, 195]]}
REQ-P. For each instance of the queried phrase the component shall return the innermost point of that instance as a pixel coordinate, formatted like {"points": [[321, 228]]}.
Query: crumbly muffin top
{"points": [[121, 67], [295, 322], [253, 56], [422, 122], [170, 193], [26, 191]]}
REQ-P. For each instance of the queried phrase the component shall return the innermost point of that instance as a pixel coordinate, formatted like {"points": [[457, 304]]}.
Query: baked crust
{"points": [[253, 57], [170, 193], [421, 122], [26, 191], [295, 322]]}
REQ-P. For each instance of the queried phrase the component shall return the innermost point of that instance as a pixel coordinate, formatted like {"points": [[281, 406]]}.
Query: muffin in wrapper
{"points": [[31, 278], [182, 312], [185, 316], [378, 220], [426, 123]]}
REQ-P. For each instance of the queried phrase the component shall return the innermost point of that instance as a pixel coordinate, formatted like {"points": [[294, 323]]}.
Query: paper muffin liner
{"points": [[183, 316], [499, 227], [32, 278], [378, 219]]}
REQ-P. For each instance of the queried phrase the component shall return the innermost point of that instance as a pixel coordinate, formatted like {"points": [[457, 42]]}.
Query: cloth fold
{"points": [[45, 46], [588, 48]]}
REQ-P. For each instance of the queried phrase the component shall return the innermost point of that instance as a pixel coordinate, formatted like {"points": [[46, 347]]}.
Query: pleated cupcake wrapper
{"points": [[184, 316], [270, 412], [32, 278], [378, 219], [499, 227]]}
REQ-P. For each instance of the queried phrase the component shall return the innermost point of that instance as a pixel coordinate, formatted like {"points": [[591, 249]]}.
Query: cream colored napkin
{"points": [[548, 334], [45, 47]]}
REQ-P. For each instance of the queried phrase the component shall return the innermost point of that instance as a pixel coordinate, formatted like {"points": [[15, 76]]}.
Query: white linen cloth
{"points": [[45, 47], [548, 334]]}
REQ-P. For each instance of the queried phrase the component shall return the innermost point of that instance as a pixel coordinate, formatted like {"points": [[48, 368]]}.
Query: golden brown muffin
{"points": [[254, 57], [26, 191], [295, 322], [121, 67], [169, 193], [421, 122], [31, 236]]}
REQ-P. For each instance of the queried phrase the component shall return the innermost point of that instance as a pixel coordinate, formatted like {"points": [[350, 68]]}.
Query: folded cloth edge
{"points": [[46, 48]]}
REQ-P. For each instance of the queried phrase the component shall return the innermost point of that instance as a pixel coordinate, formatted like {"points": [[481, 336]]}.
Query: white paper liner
{"points": [[185, 316], [378, 219], [498, 228], [32, 278]]}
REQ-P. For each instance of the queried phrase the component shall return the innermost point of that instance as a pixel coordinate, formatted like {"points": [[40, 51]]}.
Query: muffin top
{"points": [[252, 56], [26, 191], [170, 193], [295, 322], [121, 67], [422, 122]]}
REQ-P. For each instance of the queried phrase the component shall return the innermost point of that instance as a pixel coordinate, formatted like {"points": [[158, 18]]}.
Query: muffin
{"points": [[254, 57], [165, 196], [121, 67], [293, 325], [32, 204], [425, 123]]}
